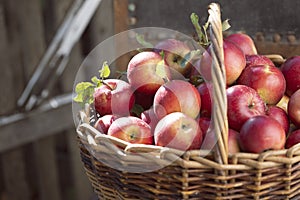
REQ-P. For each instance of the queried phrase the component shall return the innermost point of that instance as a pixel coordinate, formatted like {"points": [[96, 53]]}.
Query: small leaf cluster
{"points": [[85, 90]]}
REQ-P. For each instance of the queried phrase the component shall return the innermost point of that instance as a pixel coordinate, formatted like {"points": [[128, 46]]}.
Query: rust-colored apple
{"points": [[177, 96], [177, 130], [131, 129]]}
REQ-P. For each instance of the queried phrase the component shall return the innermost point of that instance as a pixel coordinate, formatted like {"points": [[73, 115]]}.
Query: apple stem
{"points": [[102, 81], [166, 79]]}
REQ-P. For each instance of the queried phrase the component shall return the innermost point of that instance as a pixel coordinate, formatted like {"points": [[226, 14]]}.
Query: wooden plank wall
{"points": [[50, 167]]}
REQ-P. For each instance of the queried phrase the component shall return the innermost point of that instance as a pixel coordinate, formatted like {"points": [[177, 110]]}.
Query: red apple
{"points": [[280, 115], [261, 133], [177, 96], [293, 139], [146, 72], [294, 108], [267, 80], [204, 124], [114, 97], [205, 91], [209, 141], [177, 130], [104, 122], [150, 118], [233, 145], [174, 54], [144, 100], [291, 71], [244, 42], [131, 129], [234, 61], [243, 103], [258, 60]]}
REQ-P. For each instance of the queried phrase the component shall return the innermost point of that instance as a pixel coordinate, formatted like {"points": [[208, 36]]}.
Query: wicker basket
{"points": [[217, 175]]}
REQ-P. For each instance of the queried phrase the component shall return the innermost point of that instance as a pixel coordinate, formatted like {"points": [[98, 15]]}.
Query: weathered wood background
{"points": [[39, 158], [274, 24]]}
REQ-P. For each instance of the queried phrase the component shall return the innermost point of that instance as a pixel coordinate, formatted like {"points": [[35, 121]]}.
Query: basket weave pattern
{"points": [[217, 175]]}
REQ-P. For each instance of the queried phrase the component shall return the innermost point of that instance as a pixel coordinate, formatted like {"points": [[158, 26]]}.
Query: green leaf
{"points": [[194, 54], [225, 25], [141, 40], [83, 86], [162, 54], [105, 71], [96, 81], [201, 31], [121, 74], [84, 93]]}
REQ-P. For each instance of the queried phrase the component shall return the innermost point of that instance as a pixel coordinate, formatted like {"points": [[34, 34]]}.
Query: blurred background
{"points": [[42, 45]]}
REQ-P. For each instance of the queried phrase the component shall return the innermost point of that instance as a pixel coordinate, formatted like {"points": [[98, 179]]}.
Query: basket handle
{"points": [[219, 110]]}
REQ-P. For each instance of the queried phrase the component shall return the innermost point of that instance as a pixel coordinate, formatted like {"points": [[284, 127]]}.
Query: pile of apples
{"points": [[154, 105]]}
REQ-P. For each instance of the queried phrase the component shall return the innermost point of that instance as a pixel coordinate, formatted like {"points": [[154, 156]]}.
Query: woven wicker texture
{"points": [[193, 174]]}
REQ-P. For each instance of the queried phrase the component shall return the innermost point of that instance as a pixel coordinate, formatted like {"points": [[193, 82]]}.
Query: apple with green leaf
{"points": [[110, 96], [174, 52], [114, 96]]}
